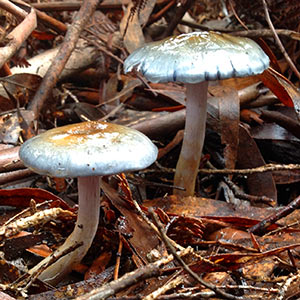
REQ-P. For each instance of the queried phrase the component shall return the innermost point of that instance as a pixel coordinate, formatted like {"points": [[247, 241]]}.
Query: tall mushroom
{"points": [[194, 59], [86, 150]]}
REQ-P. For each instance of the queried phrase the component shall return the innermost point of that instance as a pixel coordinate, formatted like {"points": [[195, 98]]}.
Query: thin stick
{"points": [[184, 265], [16, 38], [278, 41], [118, 260], [261, 169], [142, 273], [124, 181], [260, 227], [166, 287], [27, 282], [65, 51]]}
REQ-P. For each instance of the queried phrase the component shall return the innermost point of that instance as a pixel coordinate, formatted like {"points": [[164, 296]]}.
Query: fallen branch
{"points": [[16, 38], [59, 62]]}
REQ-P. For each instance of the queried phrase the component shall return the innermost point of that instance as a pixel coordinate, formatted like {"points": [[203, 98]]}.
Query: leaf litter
{"points": [[211, 232]]}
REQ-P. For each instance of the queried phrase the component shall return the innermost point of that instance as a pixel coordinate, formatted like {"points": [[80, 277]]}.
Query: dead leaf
{"points": [[98, 265], [249, 156], [21, 87], [143, 239], [21, 198], [285, 91], [132, 24], [229, 113]]}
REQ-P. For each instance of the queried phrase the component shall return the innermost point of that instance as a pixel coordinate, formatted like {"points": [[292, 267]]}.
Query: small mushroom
{"points": [[194, 59], [86, 150]]}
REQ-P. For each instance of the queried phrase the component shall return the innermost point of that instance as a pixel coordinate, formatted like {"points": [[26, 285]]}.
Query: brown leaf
{"points": [[143, 239], [13, 125], [250, 116], [242, 215], [229, 112], [9, 273], [21, 87], [98, 265], [282, 120], [249, 156], [132, 26], [285, 91], [21, 198], [185, 230], [286, 176], [14, 246], [236, 260]]}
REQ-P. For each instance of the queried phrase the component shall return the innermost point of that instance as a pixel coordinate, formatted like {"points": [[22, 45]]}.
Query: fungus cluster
{"points": [[86, 150], [194, 59]]}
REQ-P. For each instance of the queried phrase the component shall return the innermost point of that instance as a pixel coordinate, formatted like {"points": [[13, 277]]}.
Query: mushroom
{"points": [[194, 59], [86, 150]]}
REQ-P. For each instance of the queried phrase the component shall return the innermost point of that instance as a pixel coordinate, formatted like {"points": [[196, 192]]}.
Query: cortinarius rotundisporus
{"points": [[194, 59], [86, 150]]}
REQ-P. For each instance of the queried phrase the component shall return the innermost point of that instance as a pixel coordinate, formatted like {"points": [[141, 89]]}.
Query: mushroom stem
{"points": [[194, 133], [84, 231]]}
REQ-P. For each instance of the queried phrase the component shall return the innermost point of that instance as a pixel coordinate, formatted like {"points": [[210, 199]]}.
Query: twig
{"points": [[14, 9], [100, 47], [260, 227], [282, 228], [24, 284], [291, 280], [142, 273], [156, 16], [250, 287], [118, 260], [126, 189], [142, 181], [11, 176], [162, 126], [16, 38], [175, 141], [166, 287], [267, 32], [39, 217], [261, 169], [253, 33], [112, 112], [25, 211], [68, 45], [184, 265], [252, 198], [48, 21], [282, 120], [145, 218], [180, 11], [236, 15], [278, 41]]}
